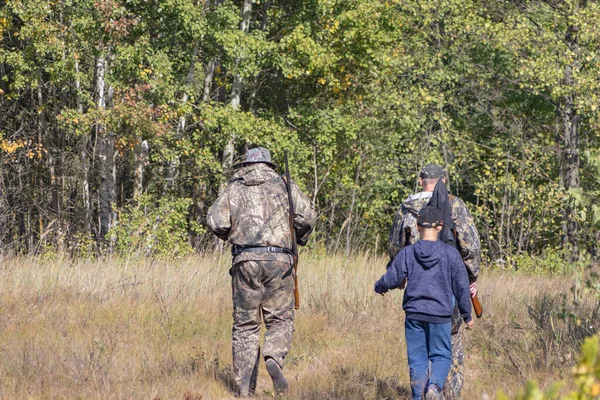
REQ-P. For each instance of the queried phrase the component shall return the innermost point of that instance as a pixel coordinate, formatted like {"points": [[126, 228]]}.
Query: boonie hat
{"points": [[432, 171], [257, 155], [430, 217]]}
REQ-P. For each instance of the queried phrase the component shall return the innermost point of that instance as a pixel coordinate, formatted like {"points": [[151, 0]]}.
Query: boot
{"points": [[433, 392], [280, 384]]}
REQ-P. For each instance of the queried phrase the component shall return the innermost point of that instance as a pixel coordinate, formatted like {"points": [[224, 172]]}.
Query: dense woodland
{"points": [[120, 119]]}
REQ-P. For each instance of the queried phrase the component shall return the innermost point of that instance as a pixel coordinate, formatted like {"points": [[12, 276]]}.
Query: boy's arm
{"points": [[394, 275], [460, 285]]}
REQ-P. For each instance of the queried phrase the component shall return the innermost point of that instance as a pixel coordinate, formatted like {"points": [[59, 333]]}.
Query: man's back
{"points": [[404, 230], [254, 212]]}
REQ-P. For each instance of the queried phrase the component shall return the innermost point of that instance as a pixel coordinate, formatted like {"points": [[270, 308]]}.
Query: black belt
{"points": [[237, 250]]}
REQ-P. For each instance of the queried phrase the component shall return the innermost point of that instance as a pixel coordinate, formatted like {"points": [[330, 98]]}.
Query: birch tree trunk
{"points": [[141, 152], [83, 157], [256, 86], [42, 137], [236, 91], [570, 133], [209, 68], [106, 153]]}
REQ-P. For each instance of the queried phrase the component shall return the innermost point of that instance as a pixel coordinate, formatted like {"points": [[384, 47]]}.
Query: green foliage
{"points": [[551, 262], [83, 246], [155, 228], [361, 93], [586, 375]]}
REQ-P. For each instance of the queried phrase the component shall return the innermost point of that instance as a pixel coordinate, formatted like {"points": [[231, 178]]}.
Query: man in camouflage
{"points": [[404, 232], [253, 215]]}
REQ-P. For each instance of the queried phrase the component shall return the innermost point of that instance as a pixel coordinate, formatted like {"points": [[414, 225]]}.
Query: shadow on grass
{"points": [[346, 383], [221, 373]]}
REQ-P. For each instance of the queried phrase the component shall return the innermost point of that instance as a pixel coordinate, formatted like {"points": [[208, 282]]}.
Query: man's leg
{"points": [[454, 382], [254, 376], [247, 296], [440, 352], [278, 313], [418, 360]]}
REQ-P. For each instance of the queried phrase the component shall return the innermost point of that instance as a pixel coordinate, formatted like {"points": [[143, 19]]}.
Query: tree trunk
{"points": [[83, 156], [570, 133], [263, 27], [209, 68], [106, 154], [141, 160], [351, 214], [43, 145], [172, 165], [236, 91]]}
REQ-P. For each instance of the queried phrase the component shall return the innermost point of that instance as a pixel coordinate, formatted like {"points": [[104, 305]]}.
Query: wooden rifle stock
{"points": [[477, 306], [474, 300], [288, 186]]}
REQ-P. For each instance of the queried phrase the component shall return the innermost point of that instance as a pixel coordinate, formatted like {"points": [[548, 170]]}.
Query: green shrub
{"points": [[586, 375], [155, 228]]}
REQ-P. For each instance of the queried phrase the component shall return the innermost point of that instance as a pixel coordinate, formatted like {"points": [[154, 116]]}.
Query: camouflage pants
{"points": [[454, 382], [262, 290]]}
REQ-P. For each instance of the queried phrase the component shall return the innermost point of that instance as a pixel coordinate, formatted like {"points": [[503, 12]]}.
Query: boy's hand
{"points": [[402, 284], [470, 324], [380, 290]]}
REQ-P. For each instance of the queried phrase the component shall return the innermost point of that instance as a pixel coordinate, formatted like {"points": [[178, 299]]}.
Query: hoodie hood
{"points": [[427, 253], [254, 174]]}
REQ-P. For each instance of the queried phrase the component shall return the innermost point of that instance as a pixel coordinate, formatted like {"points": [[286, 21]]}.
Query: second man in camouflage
{"points": [[404, 232]]}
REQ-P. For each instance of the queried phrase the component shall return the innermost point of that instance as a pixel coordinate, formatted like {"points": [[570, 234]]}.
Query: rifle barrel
{"points": [[288, 186]]}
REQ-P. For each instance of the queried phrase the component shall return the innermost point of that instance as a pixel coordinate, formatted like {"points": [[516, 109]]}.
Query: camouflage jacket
{"points": [[404, 230], [254, 211]]}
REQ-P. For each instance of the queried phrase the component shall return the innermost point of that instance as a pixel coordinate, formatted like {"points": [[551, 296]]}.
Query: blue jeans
{"points": [[427, 343]]}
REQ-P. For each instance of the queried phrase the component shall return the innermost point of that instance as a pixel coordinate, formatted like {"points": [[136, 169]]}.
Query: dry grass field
{"points": [[154, 329]]}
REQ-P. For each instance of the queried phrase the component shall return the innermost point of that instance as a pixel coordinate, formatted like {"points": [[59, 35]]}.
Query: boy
{"points": [[436, 276]]}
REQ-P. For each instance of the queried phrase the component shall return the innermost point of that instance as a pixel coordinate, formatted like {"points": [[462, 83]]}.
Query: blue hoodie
{"points": [[435, 272]]}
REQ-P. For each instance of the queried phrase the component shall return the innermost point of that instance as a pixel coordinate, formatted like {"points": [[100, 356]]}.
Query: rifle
{"points": [[477, 306], [474, 300], [288, 186]]}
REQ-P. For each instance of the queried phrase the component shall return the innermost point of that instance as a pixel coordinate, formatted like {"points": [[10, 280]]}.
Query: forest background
{"points": [[120, 119]]}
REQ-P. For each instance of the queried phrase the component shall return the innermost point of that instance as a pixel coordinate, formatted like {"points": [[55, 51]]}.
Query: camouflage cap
{"points": [[257, 155], [430, 217], [432, 171]]}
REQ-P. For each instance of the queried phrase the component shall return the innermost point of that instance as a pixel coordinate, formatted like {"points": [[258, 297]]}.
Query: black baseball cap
{"points": [[430, 217]]}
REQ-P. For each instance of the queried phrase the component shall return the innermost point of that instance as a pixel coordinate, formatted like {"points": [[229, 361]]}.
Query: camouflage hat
{"points": [[432, 171], [257, 155], [430, 217]]}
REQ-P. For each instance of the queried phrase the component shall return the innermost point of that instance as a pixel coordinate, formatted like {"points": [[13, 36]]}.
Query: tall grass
{"points": [[158, 329]]}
